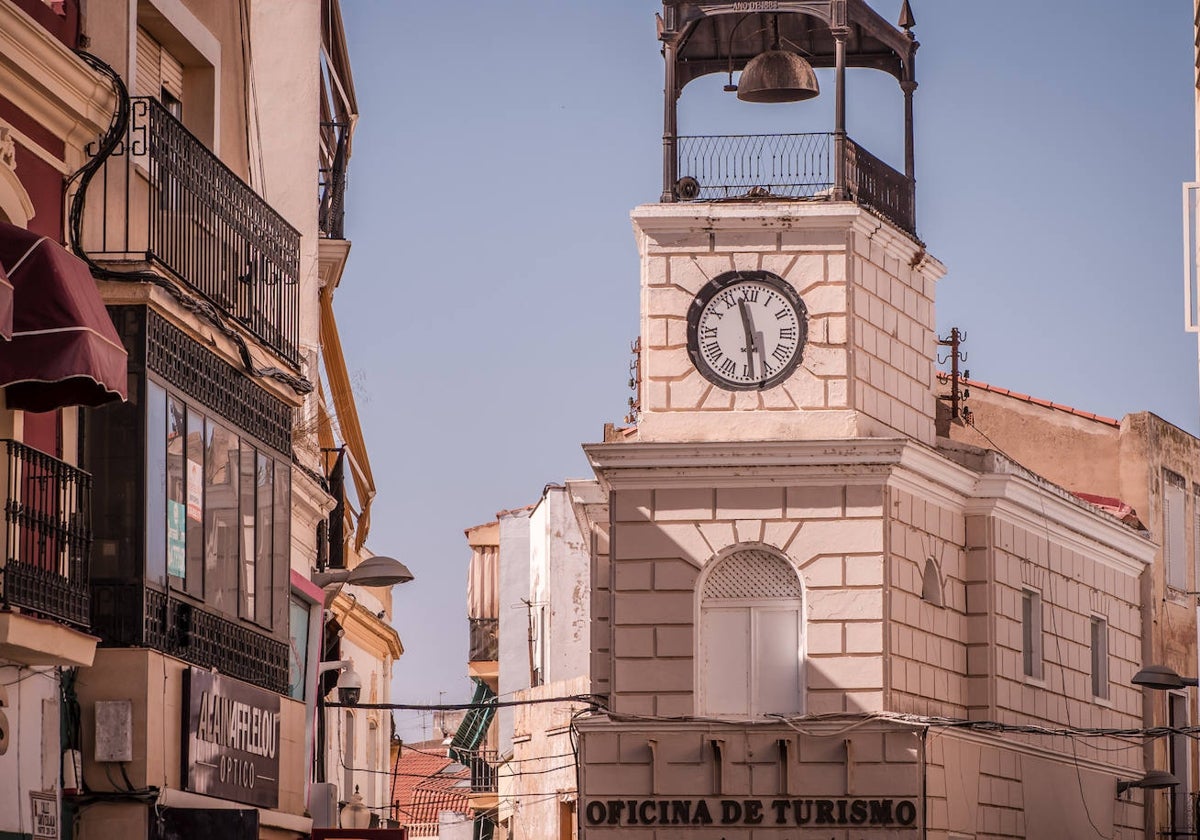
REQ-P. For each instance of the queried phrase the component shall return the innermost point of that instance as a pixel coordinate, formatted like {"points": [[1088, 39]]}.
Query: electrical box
{"points": [[114, 730], [322, 804]]}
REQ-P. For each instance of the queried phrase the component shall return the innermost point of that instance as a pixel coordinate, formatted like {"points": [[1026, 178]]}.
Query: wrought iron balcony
{"points": [[167, 199], [132, 615], [48, 536], [331, 180], [482, 764], [796, 166], [485, 639]]}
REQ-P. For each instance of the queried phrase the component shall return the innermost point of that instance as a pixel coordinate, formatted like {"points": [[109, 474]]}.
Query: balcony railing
{"points": [[796, 166], [331, 180], [132, 615], [48, 537], [168, 199], [482, 764], [485, 639]]}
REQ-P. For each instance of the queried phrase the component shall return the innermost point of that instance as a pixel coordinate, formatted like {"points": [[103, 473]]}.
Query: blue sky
{"points": [[491, 295]]}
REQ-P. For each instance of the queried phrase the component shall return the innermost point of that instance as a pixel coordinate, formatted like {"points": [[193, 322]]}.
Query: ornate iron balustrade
{"points": [[47, 514], [875, 184], [485, 639], [795, 166], [129, 615], [167, 198], [745, 165], [331, 180]]}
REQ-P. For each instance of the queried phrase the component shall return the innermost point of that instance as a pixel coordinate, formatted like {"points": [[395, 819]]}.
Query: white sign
{"points": [[44, 808]]}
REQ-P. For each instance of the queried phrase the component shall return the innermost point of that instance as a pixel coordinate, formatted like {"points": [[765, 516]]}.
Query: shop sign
{"points": [[876, 813], [231, 739], [44, 814]]}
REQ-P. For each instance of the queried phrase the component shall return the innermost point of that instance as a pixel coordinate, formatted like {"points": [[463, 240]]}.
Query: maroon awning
{"points": [[6, 305], [64, 349]]}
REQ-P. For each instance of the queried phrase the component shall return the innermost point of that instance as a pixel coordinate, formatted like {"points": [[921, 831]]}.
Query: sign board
{"points": [[44, 814], [230, 739], [875, 817]]}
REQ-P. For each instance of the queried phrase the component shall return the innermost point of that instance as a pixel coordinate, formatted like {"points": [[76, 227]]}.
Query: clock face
{"points": [[746, 330]]}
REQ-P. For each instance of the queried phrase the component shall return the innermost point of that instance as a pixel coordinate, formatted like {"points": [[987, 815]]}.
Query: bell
{"points": [[777, 76]]}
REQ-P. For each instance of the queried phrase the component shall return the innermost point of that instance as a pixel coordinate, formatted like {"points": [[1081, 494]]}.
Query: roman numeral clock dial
{"points": [[746, 330]]}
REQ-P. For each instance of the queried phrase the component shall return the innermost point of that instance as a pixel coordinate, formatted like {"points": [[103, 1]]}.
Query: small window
{"points": [[1099, 658], [1031, 633], [1174, 539]]}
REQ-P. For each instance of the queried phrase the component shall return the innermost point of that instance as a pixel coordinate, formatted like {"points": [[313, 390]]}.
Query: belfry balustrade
{"points": [[165, 199], [763, 166], [48, 537]]}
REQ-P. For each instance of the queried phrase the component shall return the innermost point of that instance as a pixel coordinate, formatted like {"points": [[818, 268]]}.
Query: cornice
{"points": [[1003, 489], [48, 82], [1018, 500], [365, 628], [711, 217], [332, 255]]}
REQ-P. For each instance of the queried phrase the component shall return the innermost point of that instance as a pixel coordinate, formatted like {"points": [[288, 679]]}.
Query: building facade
{"points": [[812, 614], [193, 156]]}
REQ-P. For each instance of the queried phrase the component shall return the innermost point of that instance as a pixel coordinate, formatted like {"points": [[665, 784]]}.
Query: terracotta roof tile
{"points": [[1016, 395]]}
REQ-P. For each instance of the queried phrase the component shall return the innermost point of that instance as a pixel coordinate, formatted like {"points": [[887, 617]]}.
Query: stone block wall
{"points": [[664, 538], [867, 367]]}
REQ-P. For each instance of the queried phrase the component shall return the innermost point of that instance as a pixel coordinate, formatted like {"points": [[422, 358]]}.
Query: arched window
{"points": [[751, 634]]}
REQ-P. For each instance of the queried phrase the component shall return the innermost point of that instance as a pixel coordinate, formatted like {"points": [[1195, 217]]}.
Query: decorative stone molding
{"points": [[16, 207], [8, 148]]}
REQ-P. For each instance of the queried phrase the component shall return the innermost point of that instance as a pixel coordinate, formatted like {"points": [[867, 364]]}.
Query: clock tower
{"points": [[794, 582], [785, 292]]}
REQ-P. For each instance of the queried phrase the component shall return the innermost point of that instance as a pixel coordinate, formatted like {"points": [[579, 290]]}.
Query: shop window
{"points": [[1099, 658], [1174, 537], [751, 637], [217, 506], [1031, 633]]}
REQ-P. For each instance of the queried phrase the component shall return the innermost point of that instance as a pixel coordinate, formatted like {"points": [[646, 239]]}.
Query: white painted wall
{"points": [[514, 618], [32, 759]]}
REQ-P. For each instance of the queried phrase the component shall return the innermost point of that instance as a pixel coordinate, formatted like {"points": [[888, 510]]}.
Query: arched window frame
{"points": [[756, 607]]}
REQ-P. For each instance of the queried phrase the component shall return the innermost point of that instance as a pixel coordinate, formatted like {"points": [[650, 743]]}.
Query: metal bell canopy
{"points": [[774, 44]]}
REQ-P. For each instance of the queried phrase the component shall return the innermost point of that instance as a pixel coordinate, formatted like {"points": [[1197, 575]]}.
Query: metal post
{"points": [[839, 135], [670, 127]]}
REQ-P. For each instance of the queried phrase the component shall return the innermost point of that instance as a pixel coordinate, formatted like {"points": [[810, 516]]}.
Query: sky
{"points": [[491, 294]]}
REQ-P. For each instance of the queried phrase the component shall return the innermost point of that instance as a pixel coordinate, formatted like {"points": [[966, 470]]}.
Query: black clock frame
{"points": [[713, 288]]}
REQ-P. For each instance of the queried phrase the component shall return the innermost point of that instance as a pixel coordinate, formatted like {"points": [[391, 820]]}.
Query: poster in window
{"points": [[176, 543], [195, 491]]}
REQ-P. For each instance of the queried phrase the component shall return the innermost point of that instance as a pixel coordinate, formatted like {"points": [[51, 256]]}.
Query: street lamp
{"points": [[1153, 780], [374, 571], [1161, 678]]}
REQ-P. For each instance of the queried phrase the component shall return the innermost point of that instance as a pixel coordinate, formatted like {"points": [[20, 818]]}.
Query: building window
{"points": [[1031, 633], [1099, 658], [1174, 540], [751, 637], [223, 508]]}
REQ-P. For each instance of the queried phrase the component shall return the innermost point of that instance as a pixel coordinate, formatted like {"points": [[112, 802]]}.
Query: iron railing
{"points": [[796, 166], [482, 764], [168, 199], [131, 615], [485, 639], [47, 514], [331, 180]]}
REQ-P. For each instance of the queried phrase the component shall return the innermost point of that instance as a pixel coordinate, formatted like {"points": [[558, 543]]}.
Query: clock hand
{"points": [[761, 345], [748, 326]]}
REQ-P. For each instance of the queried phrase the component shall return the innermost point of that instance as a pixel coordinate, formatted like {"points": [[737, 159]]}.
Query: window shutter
{"points": [[1174, 536], [148, 80], [157, 69]]}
